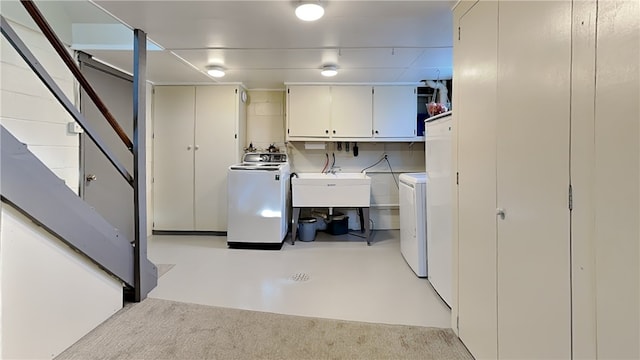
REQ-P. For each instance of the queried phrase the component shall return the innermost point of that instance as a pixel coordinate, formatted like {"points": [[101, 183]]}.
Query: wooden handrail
{"points": [[42, 23]]}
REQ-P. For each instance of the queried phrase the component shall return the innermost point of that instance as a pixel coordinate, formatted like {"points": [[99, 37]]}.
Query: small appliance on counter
{"points": [[258, 198]]}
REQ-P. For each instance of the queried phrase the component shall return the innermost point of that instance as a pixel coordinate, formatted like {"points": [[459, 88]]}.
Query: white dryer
{"points": [[413, 221]]}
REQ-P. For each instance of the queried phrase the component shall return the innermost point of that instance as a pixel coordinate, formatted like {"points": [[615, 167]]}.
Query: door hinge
{"points": [[458, 32], [457, 178], [458, 323], [570, 197]]}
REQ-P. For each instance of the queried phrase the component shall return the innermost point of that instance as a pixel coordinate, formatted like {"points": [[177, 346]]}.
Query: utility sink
{"points": [[331, 190]]}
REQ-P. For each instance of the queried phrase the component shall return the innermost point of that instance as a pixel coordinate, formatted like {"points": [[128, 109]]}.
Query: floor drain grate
{"points": [[300, 277]]}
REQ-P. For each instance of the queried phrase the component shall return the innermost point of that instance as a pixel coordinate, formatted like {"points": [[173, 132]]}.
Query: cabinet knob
{"points": [[188, 147], [376, 131], [197, 147], [326, 131], [334, 131]]}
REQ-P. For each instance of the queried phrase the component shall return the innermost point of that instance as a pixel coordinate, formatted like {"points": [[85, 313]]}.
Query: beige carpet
{"points": [[161, 329]]}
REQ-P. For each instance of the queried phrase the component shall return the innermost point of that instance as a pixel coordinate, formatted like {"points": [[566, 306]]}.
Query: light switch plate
{"points": [[74, 128]]}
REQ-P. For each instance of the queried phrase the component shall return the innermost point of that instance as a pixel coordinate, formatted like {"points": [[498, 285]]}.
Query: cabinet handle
{"points": [[500, 213]]}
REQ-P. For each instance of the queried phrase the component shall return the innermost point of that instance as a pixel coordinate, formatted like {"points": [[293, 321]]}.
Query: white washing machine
{"points": [[258, 198], [413, 221]]}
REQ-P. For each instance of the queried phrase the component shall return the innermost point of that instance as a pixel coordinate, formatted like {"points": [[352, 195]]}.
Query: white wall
{"points": [[266, 125], [31, 113], [265, 118], [51, 296]]}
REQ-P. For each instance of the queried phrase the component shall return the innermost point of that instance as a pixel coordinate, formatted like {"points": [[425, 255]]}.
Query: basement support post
{"points": [[145, 273]]}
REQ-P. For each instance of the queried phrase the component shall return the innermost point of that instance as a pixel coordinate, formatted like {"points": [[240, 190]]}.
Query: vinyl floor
{"points": [[334, 277]]}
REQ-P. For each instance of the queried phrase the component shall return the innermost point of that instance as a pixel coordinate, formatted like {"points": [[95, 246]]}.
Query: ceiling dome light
{"points": [[215, 71], [309, 11], [329, 70]]}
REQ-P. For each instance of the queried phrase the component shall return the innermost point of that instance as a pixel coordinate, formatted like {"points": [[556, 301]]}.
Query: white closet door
{"points": [[475, 112], [617, 178], [215, 150], [173, 158], [534, 290]]}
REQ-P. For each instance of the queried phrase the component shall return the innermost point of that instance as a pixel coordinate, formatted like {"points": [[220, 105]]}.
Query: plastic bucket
{"points": [[307, 229]]}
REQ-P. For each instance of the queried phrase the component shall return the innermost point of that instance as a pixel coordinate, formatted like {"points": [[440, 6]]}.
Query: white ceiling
{"points": [[263, 45]]}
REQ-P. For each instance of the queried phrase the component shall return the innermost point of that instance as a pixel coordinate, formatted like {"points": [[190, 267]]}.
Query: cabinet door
{"points": [[475, 113], [351, 111], [615, 160], [173, 157], [309, 111], [216, 117], [394, 111], [534, 290]]}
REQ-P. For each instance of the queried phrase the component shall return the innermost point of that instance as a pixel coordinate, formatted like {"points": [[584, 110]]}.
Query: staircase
{"points": [[64, 269]]}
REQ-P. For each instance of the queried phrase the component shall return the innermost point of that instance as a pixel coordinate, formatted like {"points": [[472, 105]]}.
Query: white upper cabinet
{"points": [[394, 111], [309, 111], [351, 111]]}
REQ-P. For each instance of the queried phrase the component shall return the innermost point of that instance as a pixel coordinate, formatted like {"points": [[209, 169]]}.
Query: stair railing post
{"points": [[144, 272]]}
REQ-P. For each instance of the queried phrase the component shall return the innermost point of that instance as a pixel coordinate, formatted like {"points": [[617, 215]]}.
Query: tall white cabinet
{"points": [[198, 133], [513, 166], [475, 95], [537, 248], [532, 154], [611, 165]]}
